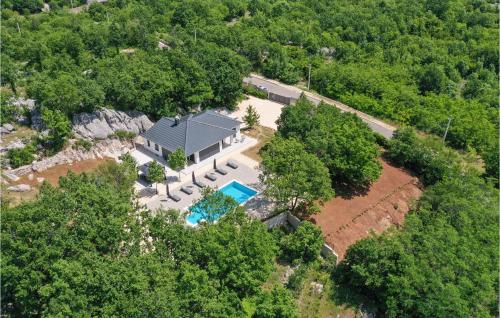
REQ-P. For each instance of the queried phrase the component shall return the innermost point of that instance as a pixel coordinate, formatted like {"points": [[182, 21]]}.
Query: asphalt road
{"points": [[279, 88]]}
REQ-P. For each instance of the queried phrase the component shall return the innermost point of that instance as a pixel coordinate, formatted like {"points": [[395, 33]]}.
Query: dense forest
{"points": [[413, 63], [444, 261], [84, 249]]}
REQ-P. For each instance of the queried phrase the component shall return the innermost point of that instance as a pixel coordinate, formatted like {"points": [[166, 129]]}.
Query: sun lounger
{"points": [[221, 171], [199, 184], [186, 190], [211, 176], [232, 164], [174, 197]]}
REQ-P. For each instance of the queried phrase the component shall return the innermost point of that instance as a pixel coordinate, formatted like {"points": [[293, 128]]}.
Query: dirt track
{"points": [[346, 220]]}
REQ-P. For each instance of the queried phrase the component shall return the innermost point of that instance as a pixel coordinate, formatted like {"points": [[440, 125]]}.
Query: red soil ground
{"points": [[52, 174], [345, 220]]}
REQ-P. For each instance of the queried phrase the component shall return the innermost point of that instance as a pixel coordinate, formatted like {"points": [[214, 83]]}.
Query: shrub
{"points": [[124, 135], [83, 143], [304, 244], [428, 157], [21, 156], [254, 91]]}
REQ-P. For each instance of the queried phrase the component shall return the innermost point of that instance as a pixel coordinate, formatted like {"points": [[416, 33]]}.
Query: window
{"points": [[156, 147], [149, 144]]}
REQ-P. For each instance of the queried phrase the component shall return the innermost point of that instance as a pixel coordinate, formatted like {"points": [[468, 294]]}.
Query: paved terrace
{"points": [[143, 156], [257, 207]]}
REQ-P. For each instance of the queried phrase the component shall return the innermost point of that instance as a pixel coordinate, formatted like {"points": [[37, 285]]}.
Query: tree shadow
{"points": [[348, 191]]}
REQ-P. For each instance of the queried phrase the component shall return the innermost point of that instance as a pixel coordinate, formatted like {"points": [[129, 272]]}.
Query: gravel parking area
{"points": [[269, 111]]}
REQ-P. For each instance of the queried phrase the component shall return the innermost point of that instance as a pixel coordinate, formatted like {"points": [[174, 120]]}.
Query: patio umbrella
{"points": [[168, 190], [194, 179], [215, 163]]}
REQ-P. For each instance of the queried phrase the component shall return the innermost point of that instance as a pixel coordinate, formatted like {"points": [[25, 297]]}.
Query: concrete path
{"points": [[276, 87]]}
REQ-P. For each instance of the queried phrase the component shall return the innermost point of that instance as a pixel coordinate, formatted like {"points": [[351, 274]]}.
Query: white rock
{"points": [[11, 176], [102, 123], [19, 188], [317, 287], [40, 179], [9, 127], [31, 176]]}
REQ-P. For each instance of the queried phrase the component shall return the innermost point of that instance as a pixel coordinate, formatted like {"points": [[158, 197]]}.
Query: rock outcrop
{"points": [[19, 188], [103, 123], [110, 148]]}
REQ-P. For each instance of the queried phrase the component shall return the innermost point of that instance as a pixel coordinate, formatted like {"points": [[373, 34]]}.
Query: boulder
{"points": [[36, 120], [9, 127], [24, 103], [4, 131], [40, 179], [103, 123], [11, 176], [14, 144], [19, 188], [31, 176]]}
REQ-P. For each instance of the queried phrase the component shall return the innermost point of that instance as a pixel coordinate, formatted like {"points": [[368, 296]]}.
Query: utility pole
{"points": [[447, 127], [309, 78], [195, 35]]}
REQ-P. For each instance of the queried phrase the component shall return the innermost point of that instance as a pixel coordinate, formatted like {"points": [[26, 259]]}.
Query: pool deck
{"points": [[245, 174]]}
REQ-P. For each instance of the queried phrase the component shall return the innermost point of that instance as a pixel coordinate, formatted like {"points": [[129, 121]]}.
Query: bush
{"points": [[254, 91], [304, 244], [124, 135], [295, 280], [83, 143], [428, 157], [277, 303], [20, 157]]}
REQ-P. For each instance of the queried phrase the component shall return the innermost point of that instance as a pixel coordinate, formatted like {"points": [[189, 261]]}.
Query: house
{"points": [[200, 135]]}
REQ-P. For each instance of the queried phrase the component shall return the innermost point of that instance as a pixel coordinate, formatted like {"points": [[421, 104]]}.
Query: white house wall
{"points": [[152, 147]]}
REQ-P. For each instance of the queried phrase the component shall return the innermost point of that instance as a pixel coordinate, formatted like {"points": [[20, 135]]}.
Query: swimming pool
{"points": [[239, 192]]}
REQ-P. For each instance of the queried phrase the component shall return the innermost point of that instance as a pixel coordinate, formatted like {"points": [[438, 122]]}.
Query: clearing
{"points": [[50, 175], [263, 135], [344, 220], [269, 111]]}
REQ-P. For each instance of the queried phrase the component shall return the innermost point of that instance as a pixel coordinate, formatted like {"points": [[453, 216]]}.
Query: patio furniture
{"points": [[174, 197], [232, 164], [199, 184], [221, 171], [187, 190], [196, 182], [211, 176]]}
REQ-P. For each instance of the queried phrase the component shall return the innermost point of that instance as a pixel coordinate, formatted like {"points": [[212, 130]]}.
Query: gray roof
{"points": [[193, 132]]}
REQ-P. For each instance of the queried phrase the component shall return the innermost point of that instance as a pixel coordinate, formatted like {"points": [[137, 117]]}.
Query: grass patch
{"points": [[21, 132], [263, 135]]}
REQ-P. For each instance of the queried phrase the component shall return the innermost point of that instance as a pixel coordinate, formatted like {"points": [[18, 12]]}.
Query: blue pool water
{"points": [[235, 190]]}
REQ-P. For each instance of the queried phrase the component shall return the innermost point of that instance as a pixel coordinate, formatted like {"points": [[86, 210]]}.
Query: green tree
{"points": [[10, 73], [428, 157], [251, 117], [58, 126], [491, 161], [303, 244], [292, 175], [177, 160], [156, 173], [213, 204], [345, 145], [277, 303], [443, 262]]}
